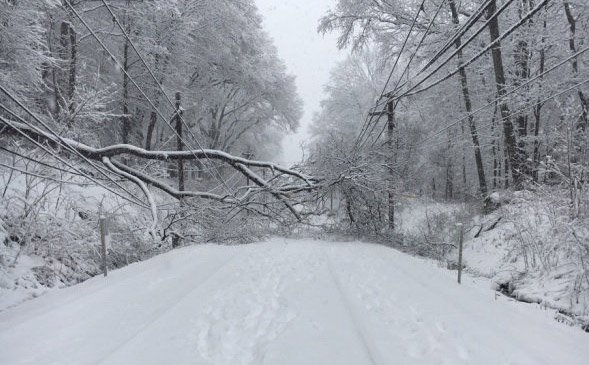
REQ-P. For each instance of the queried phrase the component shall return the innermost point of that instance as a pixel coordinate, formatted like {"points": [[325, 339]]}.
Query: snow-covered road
{"points": [[284, 302]]}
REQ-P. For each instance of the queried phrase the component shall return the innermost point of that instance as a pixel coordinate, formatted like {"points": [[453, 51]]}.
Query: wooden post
{"points": [[103, 239], [460, 244]]}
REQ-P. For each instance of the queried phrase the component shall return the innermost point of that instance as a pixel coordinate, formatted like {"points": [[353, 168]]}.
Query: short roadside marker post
{"points": [[103, 238], [460, 244]]}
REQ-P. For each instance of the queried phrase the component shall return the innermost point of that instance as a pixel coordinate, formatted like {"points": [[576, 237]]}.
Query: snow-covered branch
{"points": [[107, 155]]}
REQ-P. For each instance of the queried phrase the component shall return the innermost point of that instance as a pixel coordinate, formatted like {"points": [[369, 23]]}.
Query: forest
{"points": [[164, 121]]}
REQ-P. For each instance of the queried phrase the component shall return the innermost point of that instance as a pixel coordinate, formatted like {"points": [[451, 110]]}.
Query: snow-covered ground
{"points": [[49, 236], [529, 244], [284, 302]]}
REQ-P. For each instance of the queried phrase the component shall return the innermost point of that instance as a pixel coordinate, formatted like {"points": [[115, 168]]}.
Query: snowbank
{"points": [[530, 247]]}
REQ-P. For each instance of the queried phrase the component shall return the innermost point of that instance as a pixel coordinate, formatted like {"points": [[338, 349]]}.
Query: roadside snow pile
{"points": [[49, 235], [531, 247], [534, 251], [18, 281]]}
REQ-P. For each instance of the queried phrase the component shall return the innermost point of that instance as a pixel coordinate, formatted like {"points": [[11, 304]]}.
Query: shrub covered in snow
{"points": [[50, 237], [536, 249]]}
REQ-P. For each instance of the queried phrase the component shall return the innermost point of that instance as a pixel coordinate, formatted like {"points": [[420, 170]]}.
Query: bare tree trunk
{"points": [[125, 119], [464, 178], [449, 193], [72, 68], [522, 73], [150, 128], [583, 120], [468, 105], [65, 83], [494, 148], [515, 160], [153, 116], [506, 167], [538, 109], [63, 58]]}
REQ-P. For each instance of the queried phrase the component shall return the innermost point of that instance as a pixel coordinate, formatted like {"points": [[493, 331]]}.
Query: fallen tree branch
{"points": [[106, 156], [141, 185]]}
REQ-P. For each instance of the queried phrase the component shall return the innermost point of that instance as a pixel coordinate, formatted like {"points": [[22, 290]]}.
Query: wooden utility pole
{"points": [[391, 155], [180, 147], [247, 155], [180, 144], [390, 113]]}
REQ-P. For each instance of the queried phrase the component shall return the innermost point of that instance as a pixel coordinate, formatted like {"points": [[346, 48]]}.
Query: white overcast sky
{"points": [[308, 55]]}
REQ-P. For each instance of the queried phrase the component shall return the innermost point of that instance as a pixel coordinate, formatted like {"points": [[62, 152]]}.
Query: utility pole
{"points": [[180, 147], [248, 156], [180, 144], [391, 156], [390, 113]]}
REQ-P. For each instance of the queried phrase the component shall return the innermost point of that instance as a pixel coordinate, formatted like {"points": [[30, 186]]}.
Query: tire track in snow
{"points": [[352, 314], [428, 332], [411, 337], [161, 313]]}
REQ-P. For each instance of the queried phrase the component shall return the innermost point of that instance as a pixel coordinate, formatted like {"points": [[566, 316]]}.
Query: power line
{"points": [[18, 130], [39, 162], [44, 177], [164, 92], [410, 92], [60, 139], [517, 111], [470, 61], [471, 21], [421, 143], [369, 117], [93, 33], [421, 42], [459, 33], [360, 143], [502, 98]]}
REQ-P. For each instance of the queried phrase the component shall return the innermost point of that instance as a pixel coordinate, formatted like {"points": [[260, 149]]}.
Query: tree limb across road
{"points": [[282, 183]]}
